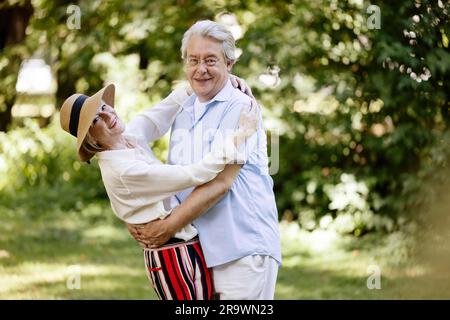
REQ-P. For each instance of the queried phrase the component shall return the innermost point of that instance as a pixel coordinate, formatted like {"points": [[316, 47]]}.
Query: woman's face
{"points": [[106, 126]]}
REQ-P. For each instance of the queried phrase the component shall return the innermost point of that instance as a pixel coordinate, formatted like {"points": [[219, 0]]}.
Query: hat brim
{"points": [[87, 115]]}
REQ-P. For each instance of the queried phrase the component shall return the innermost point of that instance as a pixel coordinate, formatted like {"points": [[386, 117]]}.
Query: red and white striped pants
{"points": [[178, 271]]}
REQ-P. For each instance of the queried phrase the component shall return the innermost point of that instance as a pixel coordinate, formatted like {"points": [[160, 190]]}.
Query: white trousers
{"points": [[249, 278]]}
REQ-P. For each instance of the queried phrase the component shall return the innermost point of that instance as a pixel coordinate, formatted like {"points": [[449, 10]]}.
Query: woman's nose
{"points": [[105, 115]]}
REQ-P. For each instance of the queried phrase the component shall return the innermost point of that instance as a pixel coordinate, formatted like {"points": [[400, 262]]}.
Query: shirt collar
{"points": [[225, 93]]}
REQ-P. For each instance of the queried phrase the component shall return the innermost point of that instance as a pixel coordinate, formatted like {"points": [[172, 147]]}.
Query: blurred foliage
{"points": [[363, 108], [362, 113], [39, 170]]}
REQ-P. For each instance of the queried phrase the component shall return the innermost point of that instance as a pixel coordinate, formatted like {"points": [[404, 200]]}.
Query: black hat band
{"points": [[75, 114]]}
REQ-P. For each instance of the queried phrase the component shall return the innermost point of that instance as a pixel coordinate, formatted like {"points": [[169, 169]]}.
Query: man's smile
{"points": [[202, 80]]}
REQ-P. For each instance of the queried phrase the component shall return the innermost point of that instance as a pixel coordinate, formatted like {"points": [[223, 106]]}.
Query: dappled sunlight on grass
{"points": [[316, 266], [29, 274], [37, 255], [37, 258], [325, 265], [96, 282]]}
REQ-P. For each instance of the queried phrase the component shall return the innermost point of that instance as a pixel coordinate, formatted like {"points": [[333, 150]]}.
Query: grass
{"points": [[40, 255], [37, 259], [324, 265]]}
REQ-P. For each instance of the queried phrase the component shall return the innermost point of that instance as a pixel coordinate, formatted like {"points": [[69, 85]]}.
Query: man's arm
{"points": [[156, 233]]}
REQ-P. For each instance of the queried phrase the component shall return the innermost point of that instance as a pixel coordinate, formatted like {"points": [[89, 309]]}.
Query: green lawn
{"points": [[324, 265], [37, 258]]}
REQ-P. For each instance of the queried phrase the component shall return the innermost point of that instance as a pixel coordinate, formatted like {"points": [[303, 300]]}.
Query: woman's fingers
{"points": [[249, 93], [138, 232], [132, 230], [241, 85], [234, 81], [189, 90]]}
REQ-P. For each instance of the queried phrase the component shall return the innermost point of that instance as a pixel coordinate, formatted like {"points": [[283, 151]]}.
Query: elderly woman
{"points": [[139, 185]]}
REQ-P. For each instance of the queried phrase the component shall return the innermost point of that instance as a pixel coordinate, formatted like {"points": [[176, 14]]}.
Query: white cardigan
{"points": [[137, 182]]}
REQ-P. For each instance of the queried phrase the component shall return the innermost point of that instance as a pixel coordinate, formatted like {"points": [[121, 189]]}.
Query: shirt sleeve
{"points": [[156, 182], [153, 123]]}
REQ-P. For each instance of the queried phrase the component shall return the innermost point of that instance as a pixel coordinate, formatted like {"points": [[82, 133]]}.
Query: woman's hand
{"points": [[241, 85], [248, 122], [151, 235], [189, 90]]}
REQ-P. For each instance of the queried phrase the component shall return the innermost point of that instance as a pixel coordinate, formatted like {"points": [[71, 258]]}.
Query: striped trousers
{"points": [[178, 271]]}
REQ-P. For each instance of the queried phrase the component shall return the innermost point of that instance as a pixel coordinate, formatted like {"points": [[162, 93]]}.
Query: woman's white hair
{"points": [[211, 29]]}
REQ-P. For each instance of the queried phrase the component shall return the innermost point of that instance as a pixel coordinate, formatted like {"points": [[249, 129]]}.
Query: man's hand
{"points": [[151, 235]]}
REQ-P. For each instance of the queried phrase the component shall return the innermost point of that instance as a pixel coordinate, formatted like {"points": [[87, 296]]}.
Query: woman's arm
{"points": [[157, 182], [153, 123], [156, 233]]}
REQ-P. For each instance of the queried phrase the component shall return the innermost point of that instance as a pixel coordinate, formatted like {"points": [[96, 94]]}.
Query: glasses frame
{"points": [[200, 61]]}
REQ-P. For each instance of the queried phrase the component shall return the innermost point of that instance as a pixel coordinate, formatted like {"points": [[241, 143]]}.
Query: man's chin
{"points": [[202, 84], [202, 91]]}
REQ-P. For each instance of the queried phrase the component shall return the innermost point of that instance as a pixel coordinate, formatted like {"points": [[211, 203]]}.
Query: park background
{"points": [[355, 100]]}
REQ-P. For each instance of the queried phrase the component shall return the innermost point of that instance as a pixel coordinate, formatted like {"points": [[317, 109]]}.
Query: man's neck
{"points": [[205, 99], [198, 100]]}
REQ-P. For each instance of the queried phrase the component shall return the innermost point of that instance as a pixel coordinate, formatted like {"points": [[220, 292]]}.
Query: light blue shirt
{"points": [[245, 221]]}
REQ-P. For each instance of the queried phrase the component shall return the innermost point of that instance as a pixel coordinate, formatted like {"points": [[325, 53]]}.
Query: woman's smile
{"points": [[113, 122]]}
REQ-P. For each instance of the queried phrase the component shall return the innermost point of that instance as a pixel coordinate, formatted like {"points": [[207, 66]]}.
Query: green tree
{"points": [[361, 111], [369, 102]]}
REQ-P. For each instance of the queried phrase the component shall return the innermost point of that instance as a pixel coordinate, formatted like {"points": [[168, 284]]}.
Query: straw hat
{"points": [[78, 112]]}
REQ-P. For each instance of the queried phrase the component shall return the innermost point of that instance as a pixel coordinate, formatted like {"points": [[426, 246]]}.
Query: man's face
{"points": [[206, 80]]}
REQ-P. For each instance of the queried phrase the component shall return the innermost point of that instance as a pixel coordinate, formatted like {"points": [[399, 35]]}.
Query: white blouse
{"points": [[137, 182]]}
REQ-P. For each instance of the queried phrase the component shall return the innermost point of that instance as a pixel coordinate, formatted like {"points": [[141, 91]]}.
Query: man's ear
{"points": [[230, 64]]}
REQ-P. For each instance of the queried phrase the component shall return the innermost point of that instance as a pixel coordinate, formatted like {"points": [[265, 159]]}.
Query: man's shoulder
{"points": [[239, 97], [237, 100]]}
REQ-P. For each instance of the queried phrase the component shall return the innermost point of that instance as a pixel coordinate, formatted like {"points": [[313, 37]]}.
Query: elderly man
{"points": [[235, 214]]}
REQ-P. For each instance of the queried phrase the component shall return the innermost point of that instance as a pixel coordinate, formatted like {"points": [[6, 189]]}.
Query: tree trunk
{"points": [[13, 23]]}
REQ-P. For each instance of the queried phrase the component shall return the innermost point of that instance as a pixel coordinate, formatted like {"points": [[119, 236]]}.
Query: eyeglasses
{"points": [[209, 62]]}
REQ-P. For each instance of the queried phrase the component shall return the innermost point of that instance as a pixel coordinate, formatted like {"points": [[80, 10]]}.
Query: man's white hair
{"points": [[211, 29]]}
